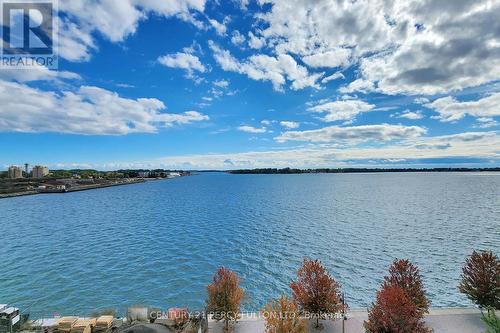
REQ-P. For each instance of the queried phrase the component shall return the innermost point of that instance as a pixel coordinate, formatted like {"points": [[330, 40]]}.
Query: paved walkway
{"points": [[440, 320]]}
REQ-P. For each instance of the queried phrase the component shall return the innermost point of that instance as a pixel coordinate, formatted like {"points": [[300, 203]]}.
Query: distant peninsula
{"points": [[358, 170]]}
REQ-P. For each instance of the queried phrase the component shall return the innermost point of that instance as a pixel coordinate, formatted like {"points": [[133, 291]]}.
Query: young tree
{"points": [[481, 279], [225, 296], [282, 316], [491, 320], [315, 291], [406, 275], [394, 312]]}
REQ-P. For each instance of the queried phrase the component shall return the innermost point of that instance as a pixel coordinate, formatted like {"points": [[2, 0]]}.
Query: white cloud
{"points": [[251, 129], [243, 4], [262, 67], [333, 58], [341, 110], [36, 73], [402, 47], [290, 124], [186, 61], [115, 20], [255, 42], [450, 109], [473, 145], [354, 134], [221, 83], [360, 85], [88, 111], [75, 43], [220, 28], [125, 85], [421, 100], [413, 115], [237, 38], [486, 122], [334, 76]]}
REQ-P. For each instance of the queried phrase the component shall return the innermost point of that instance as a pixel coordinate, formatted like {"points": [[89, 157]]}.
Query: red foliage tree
{"points": [[481, 279], [315, 291], [406, 275], [225, 296], [394, 312]]}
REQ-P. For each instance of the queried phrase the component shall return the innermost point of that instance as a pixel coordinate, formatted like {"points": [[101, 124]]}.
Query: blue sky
{"points": [[198, 84]]}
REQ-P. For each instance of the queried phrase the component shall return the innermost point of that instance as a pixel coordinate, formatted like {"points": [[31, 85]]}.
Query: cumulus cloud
{"points": [[401, 47], [359, 85], [76, 43], [334, 76], [89, 111], [342, 109], [290, 124], [334, 58], [186, 61], [473, 145], [354, 134], [220, 28], [251, 129], [35, 73], [255, 42], [262, 67], [115, 20], [450, 109], [221, 83], [237, 38], [455, 48], [485, 122], [413, 115]]}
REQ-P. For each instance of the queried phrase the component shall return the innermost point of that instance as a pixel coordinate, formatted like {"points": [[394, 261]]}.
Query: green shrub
{"points": [[492, 321]]}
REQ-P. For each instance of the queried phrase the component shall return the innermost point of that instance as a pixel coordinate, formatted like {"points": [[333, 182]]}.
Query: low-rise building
{"points": [[173, 174], [143, 174], [9, 319], [15, 172], [40, 171]]}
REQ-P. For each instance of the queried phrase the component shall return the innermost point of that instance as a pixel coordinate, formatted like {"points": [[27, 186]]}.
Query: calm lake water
{"points": [[159, 243]]}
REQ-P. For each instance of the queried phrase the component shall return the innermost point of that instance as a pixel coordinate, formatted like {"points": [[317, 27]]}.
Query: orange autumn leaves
{"points": [[283, 316], [401, 303], [316, 291], [225, 296]]}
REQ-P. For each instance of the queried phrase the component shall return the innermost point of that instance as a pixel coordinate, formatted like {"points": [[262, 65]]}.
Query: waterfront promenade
{"points": [[449, 320]]}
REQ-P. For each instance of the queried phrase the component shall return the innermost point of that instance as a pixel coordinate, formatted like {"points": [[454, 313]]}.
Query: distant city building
{"points": [[143, 174], [15, 172], [40, 171]]}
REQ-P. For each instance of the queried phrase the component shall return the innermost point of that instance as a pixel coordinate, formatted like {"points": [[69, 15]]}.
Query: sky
{"points": [[228, 84]]}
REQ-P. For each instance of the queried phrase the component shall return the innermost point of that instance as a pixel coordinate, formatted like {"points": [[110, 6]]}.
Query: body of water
{"points": [[159, 243]]}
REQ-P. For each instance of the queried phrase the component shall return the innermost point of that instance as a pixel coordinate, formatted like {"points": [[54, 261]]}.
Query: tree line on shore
{"points": [[399, 307], [355, 170]]}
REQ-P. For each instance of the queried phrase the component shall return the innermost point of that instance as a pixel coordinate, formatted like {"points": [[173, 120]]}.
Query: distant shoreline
{"points": [[286, 171], [71, 189]]}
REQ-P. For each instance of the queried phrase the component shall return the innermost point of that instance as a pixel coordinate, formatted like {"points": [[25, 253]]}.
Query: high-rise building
{"points": [[15, 172], [40, 171]]}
